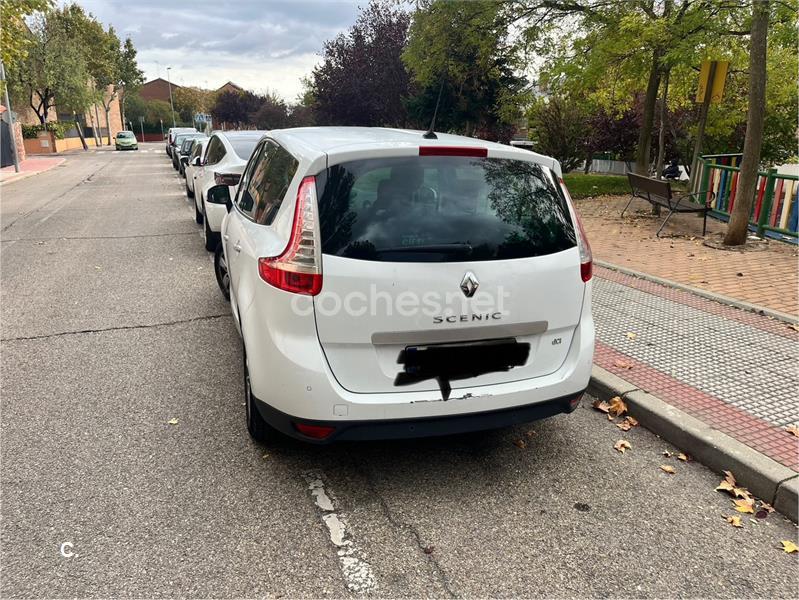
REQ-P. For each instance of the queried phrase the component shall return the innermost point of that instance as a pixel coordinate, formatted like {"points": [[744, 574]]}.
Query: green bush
{"points": [[59, 129]]}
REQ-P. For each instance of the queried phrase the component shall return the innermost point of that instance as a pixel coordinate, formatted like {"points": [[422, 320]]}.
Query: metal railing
{"points": [[776, 208]]}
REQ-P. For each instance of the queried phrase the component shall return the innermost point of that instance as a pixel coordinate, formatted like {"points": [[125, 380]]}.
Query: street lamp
{"points": [[171, 104]]}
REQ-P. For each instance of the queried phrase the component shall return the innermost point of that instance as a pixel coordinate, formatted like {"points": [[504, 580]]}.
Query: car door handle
{"points": [[226, 236], [237, 247]]}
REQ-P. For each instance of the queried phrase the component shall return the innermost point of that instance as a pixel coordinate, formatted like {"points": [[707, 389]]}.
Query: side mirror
{"points": [[197, 162], [220, 194]]}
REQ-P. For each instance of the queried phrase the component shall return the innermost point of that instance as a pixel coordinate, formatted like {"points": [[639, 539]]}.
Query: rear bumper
{"points": [[422, 427]]}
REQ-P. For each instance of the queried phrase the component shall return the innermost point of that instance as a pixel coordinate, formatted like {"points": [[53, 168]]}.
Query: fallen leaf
{"points": [[668, 469], [735, 521], [766, 506], [624, 425], [610, 417], [667, 454], [530, 433], [746, 506], [727, 484], [617, 406], [631, 335], [601, 406], [793, 429], [789, 547], [632, 420], [683, 457], [794, 327], [621, 364], [173, 421], [622, 445], [520, 444]]}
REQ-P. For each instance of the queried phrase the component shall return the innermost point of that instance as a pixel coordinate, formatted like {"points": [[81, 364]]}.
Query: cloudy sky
{"points": [[258, 44]]}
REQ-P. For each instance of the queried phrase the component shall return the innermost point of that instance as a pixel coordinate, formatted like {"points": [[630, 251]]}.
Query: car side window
{"points": [[215, 152], [246, 200], [270, 182]]}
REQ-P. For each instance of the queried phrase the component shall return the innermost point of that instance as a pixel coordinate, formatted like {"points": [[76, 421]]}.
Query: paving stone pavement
{"points": [[766, 277], [736, 370]]}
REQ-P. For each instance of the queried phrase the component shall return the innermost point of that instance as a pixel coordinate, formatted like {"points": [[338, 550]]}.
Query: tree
{"points": [[362, 79], [463, 50], [559, 128], [235, 108], [54, 67], [192, 100], [747, 180], [14, 39], [272, 114]]}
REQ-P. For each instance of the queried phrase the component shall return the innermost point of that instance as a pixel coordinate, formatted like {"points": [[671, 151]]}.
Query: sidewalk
{"points": [[29, 166], [767, 276]]}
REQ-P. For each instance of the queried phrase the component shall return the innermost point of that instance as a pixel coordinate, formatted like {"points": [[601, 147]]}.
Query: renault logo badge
{"points": [[469, 284]]}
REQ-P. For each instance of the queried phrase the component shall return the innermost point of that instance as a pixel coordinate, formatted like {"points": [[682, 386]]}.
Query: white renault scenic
{"points": [[390, 283]]}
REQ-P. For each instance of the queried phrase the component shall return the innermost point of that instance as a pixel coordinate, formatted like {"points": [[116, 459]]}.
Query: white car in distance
{"points": [[390, 283], [216, 180]]}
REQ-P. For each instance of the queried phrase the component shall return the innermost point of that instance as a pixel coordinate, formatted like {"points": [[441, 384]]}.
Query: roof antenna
{"points": [[430, 134]]}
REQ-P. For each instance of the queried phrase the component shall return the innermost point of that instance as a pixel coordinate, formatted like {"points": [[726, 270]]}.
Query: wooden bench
{"points": [[658, 193]]}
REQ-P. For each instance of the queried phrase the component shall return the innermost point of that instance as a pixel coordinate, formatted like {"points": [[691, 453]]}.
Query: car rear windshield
{"points": [[243, 147], [442, 209], [125, 134]]}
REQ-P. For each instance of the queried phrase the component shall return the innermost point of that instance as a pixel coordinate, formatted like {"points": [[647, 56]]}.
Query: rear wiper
{"points": [[429, 248]]}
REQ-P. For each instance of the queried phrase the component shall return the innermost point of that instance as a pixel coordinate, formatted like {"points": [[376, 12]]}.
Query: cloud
{"points": [[260, 45]]}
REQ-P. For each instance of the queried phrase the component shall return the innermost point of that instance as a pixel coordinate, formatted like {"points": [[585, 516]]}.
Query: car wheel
{"points": [[221, 271], [211, 238], [259, 429], [198, 216]]}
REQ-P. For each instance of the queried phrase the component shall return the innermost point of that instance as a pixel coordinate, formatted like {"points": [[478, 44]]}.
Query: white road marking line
{"points": [[357, 572]]}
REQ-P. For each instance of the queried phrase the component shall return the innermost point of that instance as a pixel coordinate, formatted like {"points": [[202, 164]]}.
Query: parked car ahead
{"points": [[170, 137], [185, 150], [194, 164], [126, 140], [177, 144], [386, 285], [225, 158]]}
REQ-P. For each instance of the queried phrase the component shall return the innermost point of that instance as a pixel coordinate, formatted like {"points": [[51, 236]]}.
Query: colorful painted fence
{"points": [[776, 208]]}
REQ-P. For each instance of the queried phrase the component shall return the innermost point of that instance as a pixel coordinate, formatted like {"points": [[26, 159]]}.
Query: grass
{"points": [[585, 186]]}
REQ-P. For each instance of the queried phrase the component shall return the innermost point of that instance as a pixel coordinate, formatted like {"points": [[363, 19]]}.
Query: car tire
{"points": [[259, 430], [198, 216], [211, 238], [221, 271]]}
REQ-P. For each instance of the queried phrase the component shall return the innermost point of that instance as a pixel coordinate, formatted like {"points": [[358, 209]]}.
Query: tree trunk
{"points": [[648, 117], [662, 133], [98, 136], [108, 123], [747, 180], [589, 158], [80, 134]]}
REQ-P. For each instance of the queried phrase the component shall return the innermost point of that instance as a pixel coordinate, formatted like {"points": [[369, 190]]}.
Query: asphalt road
{"points": [[112, 325]]}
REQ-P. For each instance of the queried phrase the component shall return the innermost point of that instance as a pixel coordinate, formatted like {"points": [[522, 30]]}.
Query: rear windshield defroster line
{"points": [[442, 209]]}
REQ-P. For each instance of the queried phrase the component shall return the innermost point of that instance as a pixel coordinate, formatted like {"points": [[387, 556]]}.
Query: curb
{"points": [[720, 298], [767, 479]]}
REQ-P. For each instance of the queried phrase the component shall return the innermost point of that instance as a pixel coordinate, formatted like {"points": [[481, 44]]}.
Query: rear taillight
{"points": [[299, 268], [453, 151], [227, 178], [317, 432], [586, 259]]}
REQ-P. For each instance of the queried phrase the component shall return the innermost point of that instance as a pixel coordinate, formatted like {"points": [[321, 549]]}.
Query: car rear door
{"points": [[463, 268]]}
